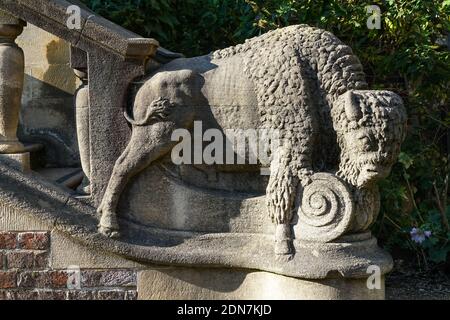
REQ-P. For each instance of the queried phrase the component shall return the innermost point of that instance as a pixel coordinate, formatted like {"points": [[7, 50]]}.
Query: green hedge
{"points": [[407, 56]]}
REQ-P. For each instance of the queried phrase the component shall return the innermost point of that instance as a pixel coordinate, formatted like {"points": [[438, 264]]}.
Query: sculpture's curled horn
{"points": [[352, 109]]}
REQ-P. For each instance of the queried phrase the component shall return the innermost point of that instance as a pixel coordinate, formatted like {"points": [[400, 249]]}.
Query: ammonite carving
{"points": [[325, 209]]}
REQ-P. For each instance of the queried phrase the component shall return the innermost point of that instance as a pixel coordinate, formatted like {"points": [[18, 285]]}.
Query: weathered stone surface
{"points": [[191, 209], [304, 226], [208, 284], [6, 18], [11, 83], [82, 117], [116, 56], [14, 220], [94, 29], [313, 193], [350, 257], [68, 252], [19, 161], [47, 113]]}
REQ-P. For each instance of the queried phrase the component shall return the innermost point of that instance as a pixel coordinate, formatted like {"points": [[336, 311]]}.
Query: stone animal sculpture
{"points": [[370, 127], [299, 80]]}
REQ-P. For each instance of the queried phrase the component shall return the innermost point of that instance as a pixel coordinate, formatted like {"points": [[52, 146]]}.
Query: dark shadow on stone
{"points": [[49, 119], [218, 280]]}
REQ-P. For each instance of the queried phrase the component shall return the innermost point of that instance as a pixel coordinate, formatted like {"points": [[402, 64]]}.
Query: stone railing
{"points": [[106, 58], [11, 86], [306, 234]]}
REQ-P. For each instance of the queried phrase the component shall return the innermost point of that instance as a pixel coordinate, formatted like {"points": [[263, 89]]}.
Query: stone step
{"points": [[36, 152], [25, 160], [33, 147], [69, 178]]}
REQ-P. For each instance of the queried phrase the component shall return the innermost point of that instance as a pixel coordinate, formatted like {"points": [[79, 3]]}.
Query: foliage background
{"points": [[408, 55]]}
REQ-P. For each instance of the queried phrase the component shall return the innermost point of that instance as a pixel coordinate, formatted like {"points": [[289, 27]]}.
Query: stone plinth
{"points": [[19, 161], [223, 284], [189, 265]]}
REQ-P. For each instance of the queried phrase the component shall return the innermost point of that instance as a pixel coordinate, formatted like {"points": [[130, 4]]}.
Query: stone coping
{"points": [[51, 15], [32, 195]]}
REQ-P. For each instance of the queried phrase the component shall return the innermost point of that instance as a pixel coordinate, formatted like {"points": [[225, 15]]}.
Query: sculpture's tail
{"points": [[158, 110], [130, 119], [137, 123]]}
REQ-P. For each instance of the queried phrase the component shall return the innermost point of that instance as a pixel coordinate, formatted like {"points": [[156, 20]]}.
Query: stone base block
{"points": [[228, 284], [20, 161]]}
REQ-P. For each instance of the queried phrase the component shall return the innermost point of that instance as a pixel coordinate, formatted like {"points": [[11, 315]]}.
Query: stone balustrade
{"points": [[106, 56], [306, 236], [11, 86]]}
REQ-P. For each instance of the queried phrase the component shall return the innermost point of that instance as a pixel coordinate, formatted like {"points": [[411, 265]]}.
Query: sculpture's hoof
{"points": [[283, 258], [108, 225], [109, 232], [84, 191], [284, 248]]}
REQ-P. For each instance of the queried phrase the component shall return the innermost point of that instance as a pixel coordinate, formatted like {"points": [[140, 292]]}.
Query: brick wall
{"points": [[26, 274]]}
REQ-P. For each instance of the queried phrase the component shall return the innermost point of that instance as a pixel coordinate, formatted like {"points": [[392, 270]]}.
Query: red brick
{"points": [[34, 240], [23, 295], [131, 295], [20, 259], [41, 260], [7, 294], [111, 295], [36, 294], [43, 279], [8, 240], [82, 295], [59, 278], [8, 279], [108, 278], [52, 295]]}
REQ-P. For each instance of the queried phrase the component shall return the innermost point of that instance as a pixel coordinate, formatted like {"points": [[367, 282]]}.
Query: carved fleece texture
{"points": [[298, 72]]}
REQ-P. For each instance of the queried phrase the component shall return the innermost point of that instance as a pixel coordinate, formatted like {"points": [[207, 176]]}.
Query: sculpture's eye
{"points": [[366, 142]]}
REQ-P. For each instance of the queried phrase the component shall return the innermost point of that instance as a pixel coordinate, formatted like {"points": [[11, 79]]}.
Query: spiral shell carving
{"points": [[325, 209]]}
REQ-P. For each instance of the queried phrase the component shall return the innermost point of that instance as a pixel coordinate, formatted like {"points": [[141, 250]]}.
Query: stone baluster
{"points": [[78, 61], [12, 70], [82, 119]]}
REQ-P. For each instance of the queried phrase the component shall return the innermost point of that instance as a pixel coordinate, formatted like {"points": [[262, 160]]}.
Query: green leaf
{"points": [[439, 255], [405, 160]]}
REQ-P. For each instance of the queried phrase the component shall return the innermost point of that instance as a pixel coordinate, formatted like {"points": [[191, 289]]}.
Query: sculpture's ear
{"points": [[352, 109], [398, 111]]}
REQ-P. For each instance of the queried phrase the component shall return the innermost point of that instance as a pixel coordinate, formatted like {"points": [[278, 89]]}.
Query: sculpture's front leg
{"points": [[147, 144], [281, 192]]}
